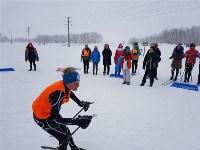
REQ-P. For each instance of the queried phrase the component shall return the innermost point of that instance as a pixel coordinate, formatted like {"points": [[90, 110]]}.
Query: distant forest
{"points": [[173, 36], [91, 37], [169, 36]]}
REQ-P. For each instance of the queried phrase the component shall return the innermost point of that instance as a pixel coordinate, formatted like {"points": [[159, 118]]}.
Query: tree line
{"points": [[173, 36], [91, 37]]}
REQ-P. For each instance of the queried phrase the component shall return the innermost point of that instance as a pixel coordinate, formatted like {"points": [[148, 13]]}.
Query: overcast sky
{"points": [[114, 20]]}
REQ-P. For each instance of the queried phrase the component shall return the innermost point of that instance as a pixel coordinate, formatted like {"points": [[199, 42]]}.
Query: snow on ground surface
{"points": [[129, 117]]}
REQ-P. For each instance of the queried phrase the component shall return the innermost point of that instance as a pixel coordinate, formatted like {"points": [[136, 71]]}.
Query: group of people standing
{"points": [[190, 55], [126, 60]]}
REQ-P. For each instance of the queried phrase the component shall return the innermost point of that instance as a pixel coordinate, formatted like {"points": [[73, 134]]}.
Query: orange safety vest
{"points": [[41, 106], [135, 56], [86, 52]]}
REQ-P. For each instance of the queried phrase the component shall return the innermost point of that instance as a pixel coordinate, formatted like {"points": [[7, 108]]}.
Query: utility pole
{"points": [[28, 30], [11, 37], [68, 36]]}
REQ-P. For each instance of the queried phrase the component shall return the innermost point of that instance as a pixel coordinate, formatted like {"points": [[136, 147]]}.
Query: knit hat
{"points": [[127, 48], [192, 45]]}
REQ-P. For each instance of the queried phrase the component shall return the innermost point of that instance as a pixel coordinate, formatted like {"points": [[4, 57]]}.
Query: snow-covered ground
{"points": [[129, 117]]}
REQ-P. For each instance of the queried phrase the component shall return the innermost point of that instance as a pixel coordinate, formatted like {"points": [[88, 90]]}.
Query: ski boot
{"points": [[142, 84]]}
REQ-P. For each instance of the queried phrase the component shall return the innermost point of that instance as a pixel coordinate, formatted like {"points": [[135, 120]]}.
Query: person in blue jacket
{"points": [[31, 55], [95, 57]]}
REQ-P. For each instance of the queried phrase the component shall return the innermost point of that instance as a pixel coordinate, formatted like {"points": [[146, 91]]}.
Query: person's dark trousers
{"points": [[156, 70], [32, 61], [95, 67], [86, 65], [60, 132], [134, 66], [149, 73], [108, 69], [177, 71], [188, 71]]}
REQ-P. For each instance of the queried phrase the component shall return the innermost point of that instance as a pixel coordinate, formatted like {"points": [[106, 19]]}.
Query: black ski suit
{"points": [[55, 125]]}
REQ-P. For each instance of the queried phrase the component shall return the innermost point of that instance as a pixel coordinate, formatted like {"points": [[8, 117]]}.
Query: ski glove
{"points": [[82, 121], [85, 105]]}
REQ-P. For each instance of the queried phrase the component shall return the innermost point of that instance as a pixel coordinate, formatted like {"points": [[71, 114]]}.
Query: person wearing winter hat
{"points": [[31, 55], [158, 52], [47, 106], [95, 57], [149, 65], [107, 54], [119, 51], [177, 57], [135, 55], [190, 61], [126, 65], [85, 57]]}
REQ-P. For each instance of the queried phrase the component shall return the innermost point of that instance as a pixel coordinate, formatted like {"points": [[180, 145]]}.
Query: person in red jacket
{"points": [[31, 55], [47, 106], [126, 65], [190, 56], [118, 53]]}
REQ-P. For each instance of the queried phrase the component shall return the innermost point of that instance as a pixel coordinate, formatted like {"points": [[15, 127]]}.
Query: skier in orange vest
{"points": [[47, 106]]}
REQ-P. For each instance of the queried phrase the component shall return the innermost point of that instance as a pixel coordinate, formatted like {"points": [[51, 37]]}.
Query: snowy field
{"points": [[129, 117]]}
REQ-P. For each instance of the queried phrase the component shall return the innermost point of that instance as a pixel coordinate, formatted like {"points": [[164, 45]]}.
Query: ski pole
{"points": [[78, 113], [57, 148], [183, 74], [81, 110]]}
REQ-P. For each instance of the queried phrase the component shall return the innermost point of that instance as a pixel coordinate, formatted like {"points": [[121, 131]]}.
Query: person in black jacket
{"points": [[107, 53], [149, 65], [31, 55], [158, 52]]}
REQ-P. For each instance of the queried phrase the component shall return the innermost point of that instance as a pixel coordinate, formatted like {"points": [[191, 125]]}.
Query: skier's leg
{"points": [[88, 62], [104, 69], [186, 72], [93, 67], [145, 77], [136, 65], [96, 68], [177, 71], [34, 65], [128, 76], [84, 65], [124, 76], [30, 61], [172, 72], [190, 67], [108, 69], [152, 74], [53, 129], [133, 66]]}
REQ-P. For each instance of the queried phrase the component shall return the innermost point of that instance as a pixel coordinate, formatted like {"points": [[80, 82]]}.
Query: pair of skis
{"points": [[168, 82]]}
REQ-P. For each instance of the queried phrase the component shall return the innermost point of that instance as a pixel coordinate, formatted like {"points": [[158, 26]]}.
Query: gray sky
{"points": [[114, 20]]}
